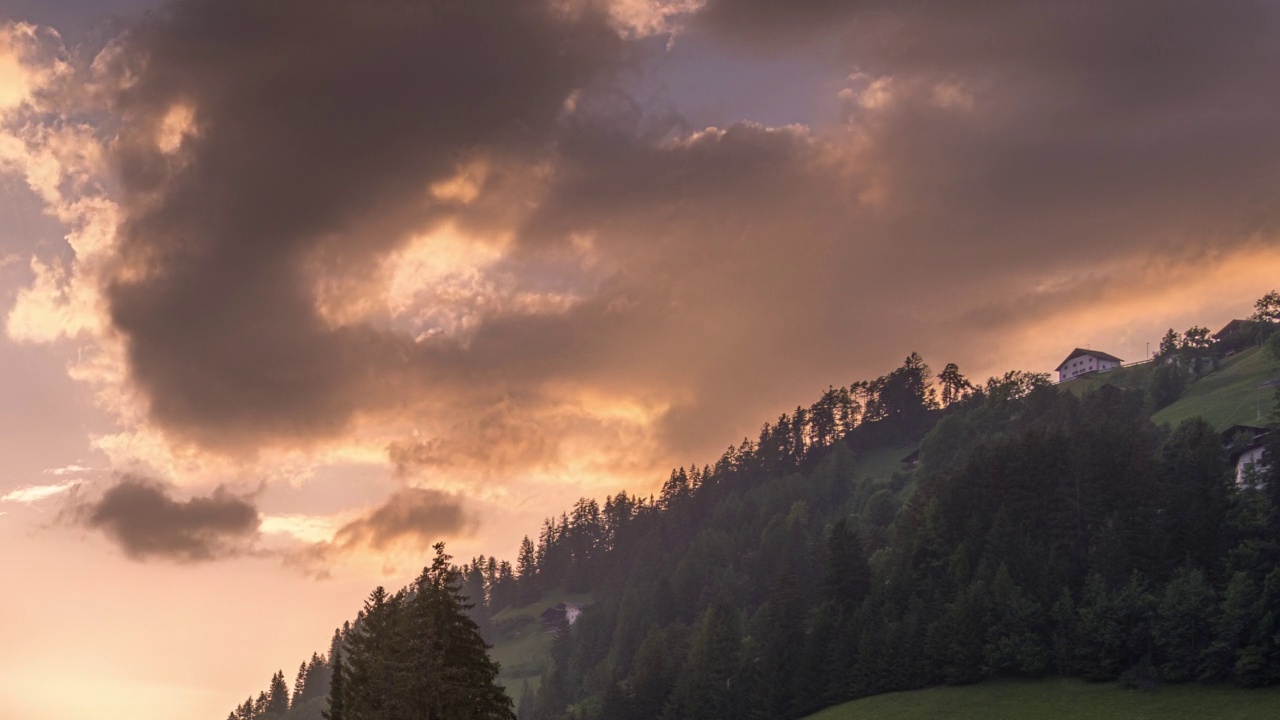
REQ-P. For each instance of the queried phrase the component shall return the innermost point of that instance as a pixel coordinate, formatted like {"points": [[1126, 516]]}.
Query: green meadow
{"points": [[1062, 699], [1239, 393]]}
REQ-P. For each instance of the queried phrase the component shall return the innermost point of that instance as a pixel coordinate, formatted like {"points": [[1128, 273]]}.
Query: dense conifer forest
{"points": [[1042, 533]]}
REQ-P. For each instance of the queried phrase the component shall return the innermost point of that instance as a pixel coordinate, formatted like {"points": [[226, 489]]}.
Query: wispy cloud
{"points": [[72, 469], [35, 493], [306, 528]]}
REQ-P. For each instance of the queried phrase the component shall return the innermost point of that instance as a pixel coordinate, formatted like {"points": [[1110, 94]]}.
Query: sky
{"points": [[292, 290]]}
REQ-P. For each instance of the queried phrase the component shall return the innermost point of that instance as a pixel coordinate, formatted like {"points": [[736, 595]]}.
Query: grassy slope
{"points": [[521, 647], [1227, 397], [1230, 396], [1061, 699], [1126, 377]]}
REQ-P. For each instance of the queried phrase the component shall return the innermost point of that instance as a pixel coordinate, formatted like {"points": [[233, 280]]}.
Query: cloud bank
{"points": [[409, 521], [457, 233], [146, 522], [412, 515]]}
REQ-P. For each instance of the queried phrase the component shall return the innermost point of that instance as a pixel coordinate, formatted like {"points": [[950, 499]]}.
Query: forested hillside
{"points": [[1048, 534], [1043, 532]]}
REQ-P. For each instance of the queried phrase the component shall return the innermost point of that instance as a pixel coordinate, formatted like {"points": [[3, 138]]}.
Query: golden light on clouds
{"points": [[36, 493], [174, 127], [147, 449], [643, 18], [1124, 307], [873, 93], [21, 75], [464, 187], [307, 529], [442, 277], [13, 77], [63, 164]]}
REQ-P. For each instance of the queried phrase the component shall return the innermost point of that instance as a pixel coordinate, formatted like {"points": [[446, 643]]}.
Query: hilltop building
{"points": [[912, 460], [1082, 361], [560, 616], [1244, 445], [1240, 334]]}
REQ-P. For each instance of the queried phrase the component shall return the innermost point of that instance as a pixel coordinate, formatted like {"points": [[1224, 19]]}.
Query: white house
{"points": [[1246, 461], [571, 613], [1245, 446], [1082, 361]]}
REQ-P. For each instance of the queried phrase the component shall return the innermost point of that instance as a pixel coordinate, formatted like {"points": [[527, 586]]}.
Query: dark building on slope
{"points": [[560, 616]]}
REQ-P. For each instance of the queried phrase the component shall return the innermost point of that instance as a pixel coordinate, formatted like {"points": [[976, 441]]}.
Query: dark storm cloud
{"points": [[319, 128], [1095, 127], [777, 21], [741, 275], [1141, 115], [412, 518], [416, 516], [147, 522], [987, 152], [996, 161]]}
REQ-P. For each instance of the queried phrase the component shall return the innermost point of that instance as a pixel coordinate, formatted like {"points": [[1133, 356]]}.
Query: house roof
{"points": [[1256, 439], [558, 611], [1081, 352], [1234, 327], [1233, 455], [1232, 432]]}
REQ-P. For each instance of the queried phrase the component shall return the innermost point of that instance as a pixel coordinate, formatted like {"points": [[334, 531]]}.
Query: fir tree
{"points": [[466, 674], [1184, 625], [527, 572], [300, 683], [706, 689], [848, 576], [337, 687], [277, 695]]}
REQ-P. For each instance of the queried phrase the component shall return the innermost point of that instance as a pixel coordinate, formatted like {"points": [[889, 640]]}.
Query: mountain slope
{"points": [[521, 646], [1061, 699], [1046, 530], [1241, 392]]}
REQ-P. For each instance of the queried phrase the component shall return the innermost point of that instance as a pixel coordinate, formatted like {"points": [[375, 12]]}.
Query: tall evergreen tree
{"points": [[527, 572], [1184, 625], [847, 576], [1195, 497], [300, 683], [466, 676], [337, 687], [709, 687], [955, 387], [277, 695]]}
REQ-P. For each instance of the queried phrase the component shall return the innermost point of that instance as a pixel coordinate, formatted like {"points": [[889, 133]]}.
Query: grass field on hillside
{"points": [[1235, 394], [1130, 378], [1062, 699], [521, 647]]}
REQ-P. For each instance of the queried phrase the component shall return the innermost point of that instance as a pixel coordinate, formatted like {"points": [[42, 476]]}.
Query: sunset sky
{"points": [[291, 290]]}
